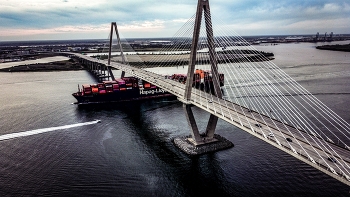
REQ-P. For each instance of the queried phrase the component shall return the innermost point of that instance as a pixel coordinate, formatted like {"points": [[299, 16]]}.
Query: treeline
{"points": [[337, 47]]}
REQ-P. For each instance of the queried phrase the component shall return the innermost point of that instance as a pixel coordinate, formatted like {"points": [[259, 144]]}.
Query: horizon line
{"points": [[86, 39]]}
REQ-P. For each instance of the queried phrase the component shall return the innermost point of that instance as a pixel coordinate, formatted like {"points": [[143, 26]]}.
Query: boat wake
{"points": [[44, 130]]}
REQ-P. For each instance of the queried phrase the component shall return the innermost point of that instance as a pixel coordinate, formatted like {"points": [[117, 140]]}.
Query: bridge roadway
{"points": [[252, 122]]}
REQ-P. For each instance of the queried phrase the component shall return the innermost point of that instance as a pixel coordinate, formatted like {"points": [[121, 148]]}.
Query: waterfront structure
{"points": [[258, 98]]}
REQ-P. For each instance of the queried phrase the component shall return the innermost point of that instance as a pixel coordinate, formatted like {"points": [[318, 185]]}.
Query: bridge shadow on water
{"points": [[191, 175], [141, 145]]}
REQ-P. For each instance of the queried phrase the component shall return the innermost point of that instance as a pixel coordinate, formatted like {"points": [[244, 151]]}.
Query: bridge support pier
{"points": [[99, 71], [197, 143], [208, 142], [197, 138]]}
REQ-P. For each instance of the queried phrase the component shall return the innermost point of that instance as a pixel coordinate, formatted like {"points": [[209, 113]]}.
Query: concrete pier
{"points": [[185, 144], [209, 141]]}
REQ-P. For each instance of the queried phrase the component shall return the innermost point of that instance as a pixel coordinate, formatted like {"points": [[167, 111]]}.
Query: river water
{"points": [[130, 153]]}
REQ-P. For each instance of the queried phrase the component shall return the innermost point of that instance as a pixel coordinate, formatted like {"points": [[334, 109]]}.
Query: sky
{"points": [[87, 19]]}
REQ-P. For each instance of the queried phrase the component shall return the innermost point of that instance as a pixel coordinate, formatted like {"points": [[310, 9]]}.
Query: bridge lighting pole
{"points": [[203, 5]]}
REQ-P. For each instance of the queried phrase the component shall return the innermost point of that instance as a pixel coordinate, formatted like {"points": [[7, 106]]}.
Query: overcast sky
{"points": [[88, 19]]}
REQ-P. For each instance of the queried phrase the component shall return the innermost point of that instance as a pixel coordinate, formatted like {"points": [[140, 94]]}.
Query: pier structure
{"points": [[200, 143], [99, 70]]}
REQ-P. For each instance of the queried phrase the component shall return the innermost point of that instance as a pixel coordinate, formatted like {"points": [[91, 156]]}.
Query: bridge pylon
{"points": [[199, 141], [114, 26]]}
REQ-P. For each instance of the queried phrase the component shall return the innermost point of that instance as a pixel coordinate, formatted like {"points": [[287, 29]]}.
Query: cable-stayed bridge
{"points": [[257, 96]]}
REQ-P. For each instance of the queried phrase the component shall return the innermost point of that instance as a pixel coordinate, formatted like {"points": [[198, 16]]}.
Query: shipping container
{"points": [[94, 88], [87, 89]]}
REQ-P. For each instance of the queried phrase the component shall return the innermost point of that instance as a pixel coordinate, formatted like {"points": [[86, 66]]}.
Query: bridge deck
{"points": [[254, 123]]}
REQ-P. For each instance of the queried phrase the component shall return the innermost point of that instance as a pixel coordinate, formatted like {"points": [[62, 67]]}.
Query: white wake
{"points": [[44, 130]]}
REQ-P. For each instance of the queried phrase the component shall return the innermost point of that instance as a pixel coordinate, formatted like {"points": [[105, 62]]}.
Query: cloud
{"points": [[146, 27], [320, 24], [160, 17], [62, 29]]}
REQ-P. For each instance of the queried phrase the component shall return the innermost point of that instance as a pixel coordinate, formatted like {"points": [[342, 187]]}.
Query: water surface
{"points": [[130, 152]]}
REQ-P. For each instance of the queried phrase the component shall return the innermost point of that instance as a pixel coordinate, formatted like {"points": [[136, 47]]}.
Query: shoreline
{"points": [[149, 60], [66, 65], [337, 47]]}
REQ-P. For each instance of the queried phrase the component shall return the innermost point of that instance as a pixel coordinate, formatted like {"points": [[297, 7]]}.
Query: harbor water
{"points": [[130, 153]]}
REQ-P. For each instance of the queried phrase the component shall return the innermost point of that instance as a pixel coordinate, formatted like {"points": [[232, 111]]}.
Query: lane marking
{"points": [[44, 130]]}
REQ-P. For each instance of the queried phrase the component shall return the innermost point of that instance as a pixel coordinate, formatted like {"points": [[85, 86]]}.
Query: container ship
{"points": [[133, 89]]}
